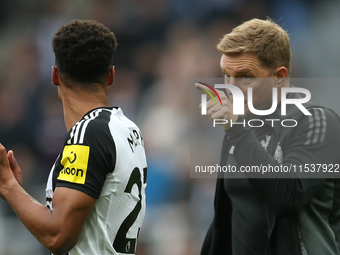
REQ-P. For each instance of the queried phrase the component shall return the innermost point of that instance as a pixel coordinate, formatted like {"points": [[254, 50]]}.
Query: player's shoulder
{"points": [[322, 125], [107, 123], [97, 120], [320, 115], [120, 123], [316, 113], [93, 126]]}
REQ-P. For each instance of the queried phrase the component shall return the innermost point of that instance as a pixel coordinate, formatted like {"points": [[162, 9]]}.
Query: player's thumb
{"points": [[11, 159], [14, 166]]}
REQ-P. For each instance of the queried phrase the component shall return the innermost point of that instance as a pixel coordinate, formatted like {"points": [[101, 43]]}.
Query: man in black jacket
{"points": [[292, 212]]}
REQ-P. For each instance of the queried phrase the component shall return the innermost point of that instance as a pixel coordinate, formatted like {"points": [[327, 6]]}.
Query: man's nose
{"points": [[232, 81]]}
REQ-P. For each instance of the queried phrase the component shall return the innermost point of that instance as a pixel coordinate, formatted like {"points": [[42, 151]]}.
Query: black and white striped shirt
{"points": [[104, 157]]}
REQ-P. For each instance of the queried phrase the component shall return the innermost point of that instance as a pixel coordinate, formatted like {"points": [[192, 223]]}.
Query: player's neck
{"points": [[77, 103]]}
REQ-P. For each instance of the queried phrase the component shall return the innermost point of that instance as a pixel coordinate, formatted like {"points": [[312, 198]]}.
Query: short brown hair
{"points": [[84, 52], [265, 37]]}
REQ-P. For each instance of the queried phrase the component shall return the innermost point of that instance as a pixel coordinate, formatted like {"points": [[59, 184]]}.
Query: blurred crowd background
{"points": [[162, 45]]}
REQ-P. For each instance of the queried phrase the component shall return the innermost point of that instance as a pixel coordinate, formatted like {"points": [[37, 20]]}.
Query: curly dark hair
{"points": [[84, 52]]}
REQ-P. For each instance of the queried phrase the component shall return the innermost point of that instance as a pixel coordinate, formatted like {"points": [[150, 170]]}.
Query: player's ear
{"points": [[55, 76], [280, 75], [111, 78]]}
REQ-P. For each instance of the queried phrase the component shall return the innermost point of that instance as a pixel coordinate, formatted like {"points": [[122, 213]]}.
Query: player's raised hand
{"points": [[15, 167], [221, 107], [5, 171]]}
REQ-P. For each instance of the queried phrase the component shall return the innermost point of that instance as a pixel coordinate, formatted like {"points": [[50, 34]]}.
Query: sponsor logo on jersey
{"points": [[75, 161]]}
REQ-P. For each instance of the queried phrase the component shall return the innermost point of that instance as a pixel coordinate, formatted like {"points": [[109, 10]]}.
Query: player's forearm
{"points": [[38, 219]]}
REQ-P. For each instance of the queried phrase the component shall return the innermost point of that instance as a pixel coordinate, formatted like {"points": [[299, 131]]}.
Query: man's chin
{"points": [[248, 115]]}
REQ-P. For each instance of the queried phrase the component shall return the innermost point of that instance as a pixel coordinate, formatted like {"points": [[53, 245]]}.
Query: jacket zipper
{"points": [[302, 245]]}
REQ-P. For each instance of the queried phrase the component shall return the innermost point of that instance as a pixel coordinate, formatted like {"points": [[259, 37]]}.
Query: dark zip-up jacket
{"points": [[303, 213]]}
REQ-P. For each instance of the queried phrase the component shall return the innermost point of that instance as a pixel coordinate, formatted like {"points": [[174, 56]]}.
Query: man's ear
{"points": [[280, 75], [111, 78], [55, 76]]}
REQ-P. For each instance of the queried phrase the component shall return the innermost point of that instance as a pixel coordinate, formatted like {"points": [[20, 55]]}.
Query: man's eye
{"points": [[226, 78], [246, 79]]}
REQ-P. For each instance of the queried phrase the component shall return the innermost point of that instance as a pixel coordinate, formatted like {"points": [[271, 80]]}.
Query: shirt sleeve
{"points": [[86, 164], [311, 142]]}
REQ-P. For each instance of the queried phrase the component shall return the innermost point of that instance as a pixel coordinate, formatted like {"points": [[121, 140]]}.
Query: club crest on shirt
{"points": [[266, 143], [278, 155]]}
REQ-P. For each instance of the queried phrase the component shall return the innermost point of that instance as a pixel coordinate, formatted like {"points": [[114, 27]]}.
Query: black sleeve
{"points": [[93, 159], [218, 237], [290, 191]]}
